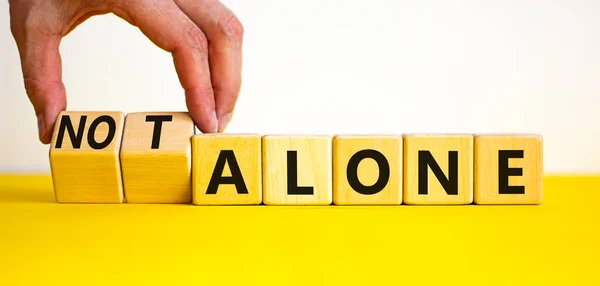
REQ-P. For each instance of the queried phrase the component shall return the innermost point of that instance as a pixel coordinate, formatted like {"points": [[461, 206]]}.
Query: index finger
{"points": [[225, 33], [171, 29]]}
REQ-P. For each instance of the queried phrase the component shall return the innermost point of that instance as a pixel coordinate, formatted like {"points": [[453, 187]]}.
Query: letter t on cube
{"points": [[156, 157]]}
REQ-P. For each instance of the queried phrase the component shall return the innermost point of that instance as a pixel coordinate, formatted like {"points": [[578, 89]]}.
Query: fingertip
{"points": [[224, 121], [46, 122], [214, 123], [202, 111], [46, 139], [208, 124], [41, 122]]}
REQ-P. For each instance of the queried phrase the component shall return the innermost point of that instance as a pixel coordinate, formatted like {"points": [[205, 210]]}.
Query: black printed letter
{"points": [[112, 128], [65, 123], [450, 184], [226, 156], [504, 172], [292, 176], [352, 169], [158, 121]]}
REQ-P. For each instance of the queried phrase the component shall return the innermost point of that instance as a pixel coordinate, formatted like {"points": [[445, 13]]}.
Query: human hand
{"points": [[204, 37]]}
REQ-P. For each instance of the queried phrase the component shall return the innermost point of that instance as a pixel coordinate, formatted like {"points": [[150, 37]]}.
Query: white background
{"points": [[339, 66]]}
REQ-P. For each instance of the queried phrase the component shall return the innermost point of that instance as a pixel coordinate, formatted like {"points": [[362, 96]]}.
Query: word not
{"points": [[156, 157]]}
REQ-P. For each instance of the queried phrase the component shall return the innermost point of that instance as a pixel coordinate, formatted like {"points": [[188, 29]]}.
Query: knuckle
{"points": [[30, 25], [33, 87], [197, 40], [36, 88], [231, 27], [14, 28], [16, 19], [43, 94], [27, 18]]}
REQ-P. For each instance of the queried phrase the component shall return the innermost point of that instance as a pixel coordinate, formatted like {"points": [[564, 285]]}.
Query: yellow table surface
{"points": [[45, 243]]}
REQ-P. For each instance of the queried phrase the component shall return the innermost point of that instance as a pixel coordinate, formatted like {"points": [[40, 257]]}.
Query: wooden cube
{"points": [[297, 170], [367, 170], [156, 157], [438, 169], [227, 169], [84, 157], [508, 169]]}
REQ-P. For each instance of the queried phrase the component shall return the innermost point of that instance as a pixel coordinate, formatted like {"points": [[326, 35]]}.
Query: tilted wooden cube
{"points": [[438, 169], [84, 157], [156, 156], [367, 170], [226, 169], [508, 169], [297, 170]]}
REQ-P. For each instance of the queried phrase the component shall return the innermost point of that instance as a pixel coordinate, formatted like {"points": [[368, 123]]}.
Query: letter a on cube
{"points": [[84, 157], [508, 169], [156, 157], [226, 169]]}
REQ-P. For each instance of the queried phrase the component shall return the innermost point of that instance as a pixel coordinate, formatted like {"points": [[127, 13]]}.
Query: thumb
{"points": [[42, 75]]}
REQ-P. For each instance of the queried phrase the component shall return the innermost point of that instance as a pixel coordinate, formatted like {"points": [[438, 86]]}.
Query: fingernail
{"points": [[41, 121], [215, 122], [224, 121]]}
